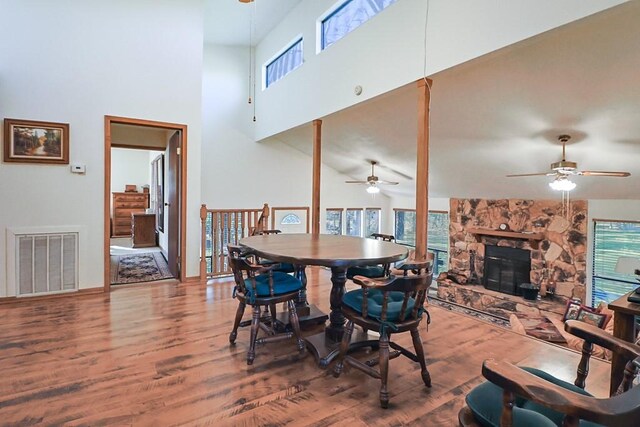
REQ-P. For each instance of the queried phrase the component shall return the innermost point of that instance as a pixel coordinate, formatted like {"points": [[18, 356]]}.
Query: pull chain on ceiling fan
{"points": [[372, 181]]}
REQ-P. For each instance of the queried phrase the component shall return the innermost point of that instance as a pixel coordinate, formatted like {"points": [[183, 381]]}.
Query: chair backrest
{"points": [[414, 286], [384, 237], [244, 271], [267, 232]]}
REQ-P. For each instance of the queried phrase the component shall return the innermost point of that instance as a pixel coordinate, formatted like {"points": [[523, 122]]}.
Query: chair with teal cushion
{"points": [[258, 285], [391, 305], [372, 271], [531, 397]]}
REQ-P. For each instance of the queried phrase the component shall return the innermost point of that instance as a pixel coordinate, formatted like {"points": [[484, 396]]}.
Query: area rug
{"points": [[540, 327], [143, 267], [486, 317]]}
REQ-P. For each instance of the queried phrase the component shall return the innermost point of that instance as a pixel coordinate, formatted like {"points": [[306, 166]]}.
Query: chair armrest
{"points": [[262, 268], [616, 411], [597, 336], [366, 282]]}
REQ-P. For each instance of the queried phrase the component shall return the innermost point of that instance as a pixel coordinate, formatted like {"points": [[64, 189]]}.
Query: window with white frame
{"points": [[333, 222], [354, 222], [612, 240], [346, 17], [371, 221], [284, 63]]}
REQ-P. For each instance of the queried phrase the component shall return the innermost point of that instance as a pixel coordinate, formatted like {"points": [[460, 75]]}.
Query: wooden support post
{"points": [[317, 164], [422, 169]]}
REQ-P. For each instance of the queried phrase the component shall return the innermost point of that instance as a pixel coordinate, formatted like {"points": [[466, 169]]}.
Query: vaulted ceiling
{"points": [[501, 114]]}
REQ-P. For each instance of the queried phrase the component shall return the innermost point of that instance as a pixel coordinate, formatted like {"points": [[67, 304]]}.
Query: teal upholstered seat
{"points": [[282, 284], [485, 401], [369, 271], [353, 300]]}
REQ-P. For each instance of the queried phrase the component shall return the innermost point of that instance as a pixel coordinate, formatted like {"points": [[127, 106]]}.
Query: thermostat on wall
{"points": [[78, 169]]}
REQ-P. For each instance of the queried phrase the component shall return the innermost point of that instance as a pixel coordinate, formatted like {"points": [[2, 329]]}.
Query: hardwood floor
{"points": [[159, 355]]}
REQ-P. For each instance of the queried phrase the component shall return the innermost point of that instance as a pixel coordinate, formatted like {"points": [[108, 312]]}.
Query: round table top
{"points": [[324, 249]]}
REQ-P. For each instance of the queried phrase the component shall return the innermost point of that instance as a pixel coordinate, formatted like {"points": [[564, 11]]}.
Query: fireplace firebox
{"points": [[505, 269]]}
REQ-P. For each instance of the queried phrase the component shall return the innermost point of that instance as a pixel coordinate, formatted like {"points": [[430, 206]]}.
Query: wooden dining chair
{"points": [[515, 396], [372, 271], [390, 305], [257, 286]]}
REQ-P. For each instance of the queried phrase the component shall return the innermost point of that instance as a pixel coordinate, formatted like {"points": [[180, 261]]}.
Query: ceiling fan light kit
{"points": [[373, 189], [562, 184]]}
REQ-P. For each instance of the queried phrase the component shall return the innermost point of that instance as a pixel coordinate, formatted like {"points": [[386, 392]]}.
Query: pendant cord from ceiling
{"points": [[253, 83], [424, 66], [250, 53]]}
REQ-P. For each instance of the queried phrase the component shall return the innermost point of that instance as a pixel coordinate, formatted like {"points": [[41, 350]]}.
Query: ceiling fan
{"points": [[564, 168], [373, 181]]}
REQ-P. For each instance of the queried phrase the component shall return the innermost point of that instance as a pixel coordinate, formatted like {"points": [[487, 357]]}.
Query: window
{"points": [[334, 221], [290, 219], [612, 239], [371, 221], [354, 222], [347, 17], [405, 227], [438, 240], [437, 235], [284, 63]]}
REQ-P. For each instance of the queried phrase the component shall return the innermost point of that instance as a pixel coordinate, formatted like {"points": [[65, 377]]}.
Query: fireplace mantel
{"points": [[509, 234]]}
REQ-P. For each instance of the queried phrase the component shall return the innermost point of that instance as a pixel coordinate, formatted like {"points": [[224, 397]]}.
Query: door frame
{"points": [[182, 211]]}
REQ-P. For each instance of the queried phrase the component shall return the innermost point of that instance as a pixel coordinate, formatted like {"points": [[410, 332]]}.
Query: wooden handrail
{"points": [[226, 226]]}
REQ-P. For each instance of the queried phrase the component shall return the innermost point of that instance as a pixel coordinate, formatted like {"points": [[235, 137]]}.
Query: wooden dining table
{"points": [[338, 253]]}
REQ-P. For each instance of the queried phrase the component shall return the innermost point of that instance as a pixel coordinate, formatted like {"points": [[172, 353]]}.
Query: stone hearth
{"points": [[558, 251]]}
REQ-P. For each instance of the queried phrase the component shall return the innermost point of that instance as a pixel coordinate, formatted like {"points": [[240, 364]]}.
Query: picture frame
{"points": [[31, 141]]}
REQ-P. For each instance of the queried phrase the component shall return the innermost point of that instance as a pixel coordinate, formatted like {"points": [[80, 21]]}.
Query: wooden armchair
{"points": [[372, 271], [524, 396], [259, 285], [391, 305]]}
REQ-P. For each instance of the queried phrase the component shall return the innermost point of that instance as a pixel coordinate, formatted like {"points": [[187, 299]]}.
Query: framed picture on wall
{"points": [[157, 189], [29, 141]]}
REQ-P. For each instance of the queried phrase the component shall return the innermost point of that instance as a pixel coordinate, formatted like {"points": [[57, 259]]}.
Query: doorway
{"points": [[144, 226]]}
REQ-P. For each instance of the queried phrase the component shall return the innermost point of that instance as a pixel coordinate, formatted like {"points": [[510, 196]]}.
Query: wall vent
{"points": [[46, 263]]}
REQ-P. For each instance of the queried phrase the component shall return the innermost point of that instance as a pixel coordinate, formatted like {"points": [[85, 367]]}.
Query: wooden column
{"points": [[422, 169], [317, 164]]}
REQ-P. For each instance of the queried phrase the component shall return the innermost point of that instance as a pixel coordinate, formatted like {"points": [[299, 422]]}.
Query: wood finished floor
{"points": [[159, 355]]}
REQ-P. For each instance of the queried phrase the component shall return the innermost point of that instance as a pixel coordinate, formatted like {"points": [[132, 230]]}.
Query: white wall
{"points": [[75, 61], [130, 166], [388, 51], [240, 173]]}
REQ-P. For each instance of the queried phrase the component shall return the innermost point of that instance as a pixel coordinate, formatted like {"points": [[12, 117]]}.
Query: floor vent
{"points": [[46, 263]]}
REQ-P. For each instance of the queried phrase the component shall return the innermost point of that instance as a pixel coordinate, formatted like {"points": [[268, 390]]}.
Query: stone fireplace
{"points": [[537, 244]]}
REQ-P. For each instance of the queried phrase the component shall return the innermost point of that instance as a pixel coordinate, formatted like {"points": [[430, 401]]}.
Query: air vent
{"points": [[46, 263]]}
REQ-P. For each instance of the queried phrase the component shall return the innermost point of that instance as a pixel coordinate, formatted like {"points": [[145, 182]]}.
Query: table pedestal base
{"points": [[325, 349], [308, 316]]}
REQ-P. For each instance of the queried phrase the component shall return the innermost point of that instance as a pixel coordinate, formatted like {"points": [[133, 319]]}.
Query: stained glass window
{"points": [[291, 219]]}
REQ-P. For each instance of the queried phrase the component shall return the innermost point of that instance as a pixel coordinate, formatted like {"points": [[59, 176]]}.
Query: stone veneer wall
{"points": [[559, 259]]}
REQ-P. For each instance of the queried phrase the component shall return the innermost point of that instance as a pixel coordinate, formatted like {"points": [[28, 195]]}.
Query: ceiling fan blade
{"points": [[387, 182], [532, 174], [357, 182], [603, 173]]}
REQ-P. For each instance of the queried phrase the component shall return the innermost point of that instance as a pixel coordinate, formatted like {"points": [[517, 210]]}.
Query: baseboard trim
{"points": [[192, 279], [78, 293]]}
